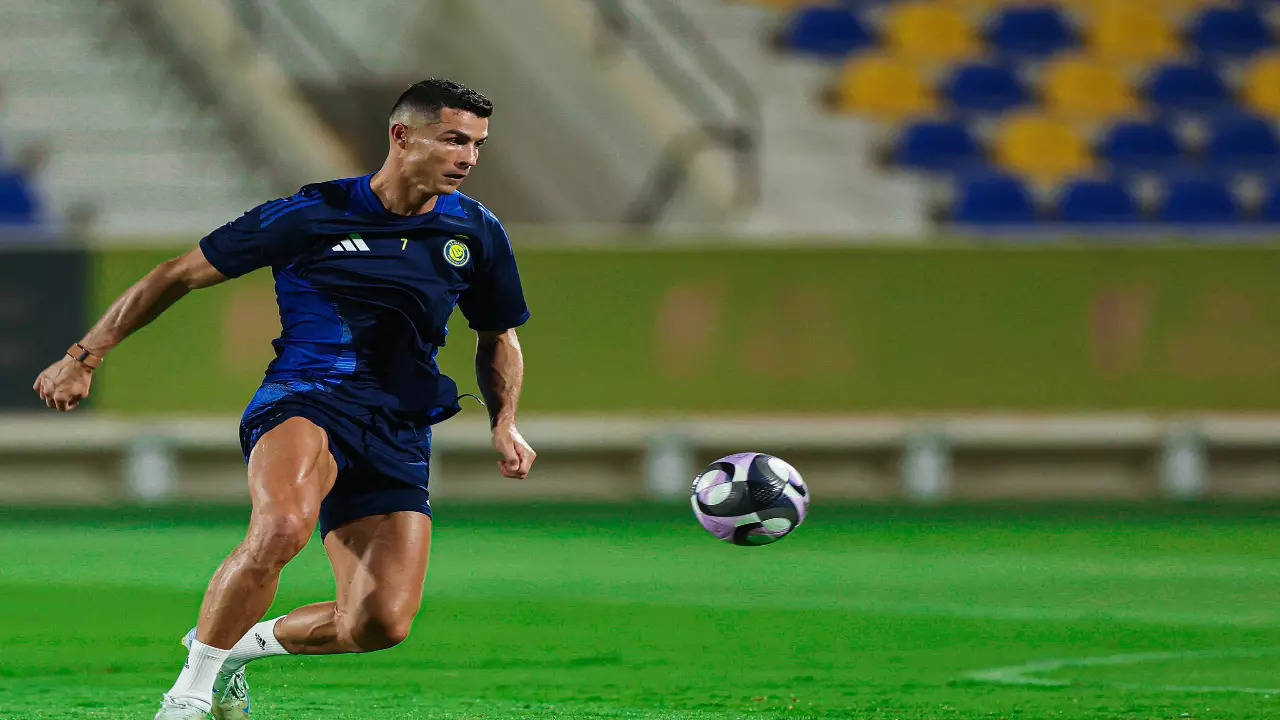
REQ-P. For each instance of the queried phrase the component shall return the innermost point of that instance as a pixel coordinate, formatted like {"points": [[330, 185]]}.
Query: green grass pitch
{"points": [[634, 612]]}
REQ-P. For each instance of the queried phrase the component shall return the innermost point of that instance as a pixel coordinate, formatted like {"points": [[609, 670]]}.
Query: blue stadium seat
{"points": [[1238, 141], [1199, 200], [1270, 210], [1097, 202], [938, 145], [1137, 146], [18, 205], [984, 88], [831, 32], [1189, 88], [1036, 31], [993, 199], [1231, 32]]}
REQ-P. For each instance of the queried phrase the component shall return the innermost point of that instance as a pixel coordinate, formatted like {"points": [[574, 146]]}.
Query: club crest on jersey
{"points": [[456, 252]]}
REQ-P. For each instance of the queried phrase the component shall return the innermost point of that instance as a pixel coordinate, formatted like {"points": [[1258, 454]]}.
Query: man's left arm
{"points": [[500, 374]]}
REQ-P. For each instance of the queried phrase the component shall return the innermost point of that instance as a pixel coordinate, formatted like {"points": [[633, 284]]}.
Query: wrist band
{"points": [[84, 356]]}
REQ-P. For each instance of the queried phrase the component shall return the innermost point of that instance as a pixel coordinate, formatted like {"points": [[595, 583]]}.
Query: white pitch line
{"points": [[1026, 673]]}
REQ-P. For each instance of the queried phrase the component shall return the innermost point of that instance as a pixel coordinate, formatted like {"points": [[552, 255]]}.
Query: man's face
{"points": [[438, 156]]}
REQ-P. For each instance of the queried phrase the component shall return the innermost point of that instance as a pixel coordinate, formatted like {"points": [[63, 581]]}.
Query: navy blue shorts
{"points": [[382, 459]]}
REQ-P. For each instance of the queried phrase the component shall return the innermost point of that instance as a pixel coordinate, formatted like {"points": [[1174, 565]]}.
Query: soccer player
{"points": [[367, 272]]}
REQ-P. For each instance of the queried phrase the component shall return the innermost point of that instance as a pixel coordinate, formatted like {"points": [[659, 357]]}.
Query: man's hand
{"points": [[517, 456], [64, 384]]}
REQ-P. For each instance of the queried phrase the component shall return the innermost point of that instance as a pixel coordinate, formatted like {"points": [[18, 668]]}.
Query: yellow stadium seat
{"points": [[930, 31], [1262, 85], [1132, 32], [1174, 10], [884, 87], [1085, 88], [1044, 149]]}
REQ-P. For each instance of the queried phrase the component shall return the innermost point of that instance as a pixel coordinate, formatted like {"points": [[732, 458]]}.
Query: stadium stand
{"points": [[153, 159], [1135, 113]]}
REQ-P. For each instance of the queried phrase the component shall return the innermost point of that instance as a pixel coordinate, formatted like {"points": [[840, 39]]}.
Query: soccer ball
{"points": [[749, 498]]}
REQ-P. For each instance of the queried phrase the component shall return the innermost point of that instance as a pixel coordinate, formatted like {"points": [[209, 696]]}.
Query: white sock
{"points": [[195, 682], [259, 642]]}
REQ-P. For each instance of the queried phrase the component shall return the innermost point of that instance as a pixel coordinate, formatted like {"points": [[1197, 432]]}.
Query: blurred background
{"points": [[926, 250]]}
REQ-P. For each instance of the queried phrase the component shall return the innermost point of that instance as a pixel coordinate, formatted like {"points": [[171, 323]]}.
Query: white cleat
{"points": [[230, 692], [184, 709]]}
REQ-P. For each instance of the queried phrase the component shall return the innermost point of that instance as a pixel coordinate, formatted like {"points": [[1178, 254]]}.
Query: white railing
{"points": [[671, 448]]}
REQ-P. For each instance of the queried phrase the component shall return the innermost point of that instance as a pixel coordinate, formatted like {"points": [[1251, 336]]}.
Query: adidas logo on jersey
{"points": [[353, 243]]}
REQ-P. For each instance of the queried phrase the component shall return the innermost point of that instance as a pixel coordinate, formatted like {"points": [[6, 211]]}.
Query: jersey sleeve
{"points": [[270, 234], [495, 299]]}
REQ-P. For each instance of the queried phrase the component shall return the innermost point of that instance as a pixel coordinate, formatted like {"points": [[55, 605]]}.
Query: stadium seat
{"points": [[1261, 87], [929, 31], [1176, 11], [1199, 200], [1097, 201], [1087, 88], [984, 88], [1230, 32], [993, 199], [1033, 31], [884, 87], [1239, 141], [1137, 146], [1270, 210], [826, 31], [18, 205], [938, 145], [1185, 87], [1041, 148], [1130, 33]]}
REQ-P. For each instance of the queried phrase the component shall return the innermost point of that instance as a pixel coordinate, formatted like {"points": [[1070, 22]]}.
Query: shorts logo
{"points": [[456, 253]]}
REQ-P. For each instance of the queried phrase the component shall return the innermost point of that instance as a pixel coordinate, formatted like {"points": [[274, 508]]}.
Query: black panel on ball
{"points": [[765, 485], [742, 535], [784, 507]]}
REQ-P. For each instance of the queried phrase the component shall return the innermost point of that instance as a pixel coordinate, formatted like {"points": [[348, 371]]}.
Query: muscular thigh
{"points": [[380, 563], [291, 469]]}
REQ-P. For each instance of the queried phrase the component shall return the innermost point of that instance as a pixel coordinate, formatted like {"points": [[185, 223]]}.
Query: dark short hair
{"points": [[431, 96]]}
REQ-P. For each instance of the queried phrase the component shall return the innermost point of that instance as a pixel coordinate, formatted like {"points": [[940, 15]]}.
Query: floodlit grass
{"points": [[634, 612]]}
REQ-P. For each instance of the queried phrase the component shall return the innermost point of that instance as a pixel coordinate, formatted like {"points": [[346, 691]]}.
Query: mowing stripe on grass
{"points": [[1026, 673]]}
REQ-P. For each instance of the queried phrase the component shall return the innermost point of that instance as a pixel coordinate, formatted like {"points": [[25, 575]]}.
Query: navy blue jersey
{"points": [[365, 295]]}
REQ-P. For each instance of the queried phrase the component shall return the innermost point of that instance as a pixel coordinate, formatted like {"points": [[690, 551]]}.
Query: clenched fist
{"points": [[64, 384]]}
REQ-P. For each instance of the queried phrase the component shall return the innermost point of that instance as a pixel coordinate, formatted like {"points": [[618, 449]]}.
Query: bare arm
{"points": [[66, 382], [500, 374]]}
